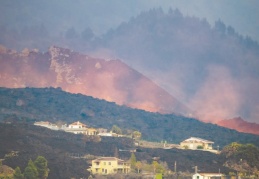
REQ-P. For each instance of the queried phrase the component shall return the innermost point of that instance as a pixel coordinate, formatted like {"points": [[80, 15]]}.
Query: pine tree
{"points": [[116, 129], [138, 165], [30, 171], [136, 135], [116, 153], [17, 173], [155, 166], [133, 160], [42, 166]]}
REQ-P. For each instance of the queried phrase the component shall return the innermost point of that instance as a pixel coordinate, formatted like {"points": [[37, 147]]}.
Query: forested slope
{"points": [[51, 104]]}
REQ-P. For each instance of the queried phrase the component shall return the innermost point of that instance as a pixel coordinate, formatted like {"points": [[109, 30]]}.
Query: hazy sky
{"points": [[243, 15], [101, 15]]}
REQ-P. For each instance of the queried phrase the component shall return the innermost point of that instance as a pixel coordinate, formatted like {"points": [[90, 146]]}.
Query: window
{"points": [[105, 170], [109, 163], [104, 163]]}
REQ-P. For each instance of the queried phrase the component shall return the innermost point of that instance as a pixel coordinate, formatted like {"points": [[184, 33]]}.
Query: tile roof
{"points": [[108, 159], [77, 124]]}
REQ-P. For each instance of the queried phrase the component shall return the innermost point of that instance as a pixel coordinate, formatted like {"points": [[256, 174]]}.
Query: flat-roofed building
{"points": [[207, 176]]}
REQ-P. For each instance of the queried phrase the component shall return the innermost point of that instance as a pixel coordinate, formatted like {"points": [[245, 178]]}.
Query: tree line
{"points": [[242, 158], [37, 169]]}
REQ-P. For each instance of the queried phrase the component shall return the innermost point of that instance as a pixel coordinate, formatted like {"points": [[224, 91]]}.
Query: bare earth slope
{"points": [[57, 147], [111, 80], [240, 125]]}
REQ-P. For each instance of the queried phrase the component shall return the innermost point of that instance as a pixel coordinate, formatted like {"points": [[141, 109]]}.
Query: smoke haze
{"points": [[209, 66], [218, 97]]}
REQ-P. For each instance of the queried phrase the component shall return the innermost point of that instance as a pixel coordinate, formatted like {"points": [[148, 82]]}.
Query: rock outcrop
{"points": [[111, 80]]}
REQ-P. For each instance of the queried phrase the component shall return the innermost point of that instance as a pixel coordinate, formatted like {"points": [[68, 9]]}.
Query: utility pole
{"points": [[196, 169]]}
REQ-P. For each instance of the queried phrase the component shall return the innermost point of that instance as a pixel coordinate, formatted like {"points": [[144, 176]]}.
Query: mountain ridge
{"points": [[240, 125], [212, 69]]}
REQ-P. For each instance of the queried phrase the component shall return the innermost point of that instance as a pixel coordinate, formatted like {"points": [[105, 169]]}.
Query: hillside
{"points": [[107, 79], [29, 141], [212, 69], [51, 104], [111, 80], [57, 147], [240, 125]]}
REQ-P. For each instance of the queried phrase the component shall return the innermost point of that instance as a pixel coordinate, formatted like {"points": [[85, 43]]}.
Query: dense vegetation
{"points": [[55, 105], [34, 170], [243, 158]]}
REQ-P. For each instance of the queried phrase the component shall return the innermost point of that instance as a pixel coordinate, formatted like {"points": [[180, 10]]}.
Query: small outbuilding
{"points": [[207, 176]]}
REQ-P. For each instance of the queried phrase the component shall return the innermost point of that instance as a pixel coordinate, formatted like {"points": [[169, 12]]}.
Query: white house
{"points": [[47, 125], [80, 128], [77, 125], [196, 143], [207, 176], [106, 134]]}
